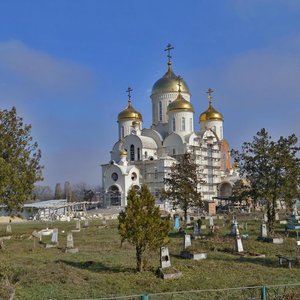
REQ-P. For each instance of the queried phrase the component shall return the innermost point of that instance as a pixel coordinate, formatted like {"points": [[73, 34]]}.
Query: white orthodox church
{"points": [[145, 155]]}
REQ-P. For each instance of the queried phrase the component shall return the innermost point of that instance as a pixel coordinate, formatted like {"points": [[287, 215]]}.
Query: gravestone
{"points": [[78, 225], [234, 227], [186, 241], [70, 244], [238, 244], [8, 229], [188, 219], [196, 230], [265, 218], [276, 216], [54, 239], [263, 231], [70, 240], [176, 222], [36, 234], [86, 223], [211, 221], [164, 258], [165, 263]]}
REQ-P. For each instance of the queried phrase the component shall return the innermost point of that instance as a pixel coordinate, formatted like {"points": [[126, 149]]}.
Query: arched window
{"points": [[183, 124], [160, 111], [114, 195], [132, 152], [191, 124], [138, 154], [146, 154], [174, 124], [122, 132]]}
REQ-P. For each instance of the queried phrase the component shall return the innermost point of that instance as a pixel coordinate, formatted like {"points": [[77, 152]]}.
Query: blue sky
{"points": [[66, 66]]}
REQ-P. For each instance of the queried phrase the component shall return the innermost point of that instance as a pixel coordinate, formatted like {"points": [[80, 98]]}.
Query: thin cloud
{"points": [[24, 70]]}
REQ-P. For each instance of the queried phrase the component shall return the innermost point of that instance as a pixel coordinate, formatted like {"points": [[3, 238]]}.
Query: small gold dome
{"points": [[180, 104], [136, 123], [123, 152], [235, 165], [129, 113], [210, 114], [169, 83]]}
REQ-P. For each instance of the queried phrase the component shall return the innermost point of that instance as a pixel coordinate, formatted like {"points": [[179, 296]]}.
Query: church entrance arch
{"points": [[225, 190], [114, 195]]}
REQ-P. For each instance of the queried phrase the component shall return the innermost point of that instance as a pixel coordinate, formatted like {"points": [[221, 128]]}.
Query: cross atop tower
{"points": [[169, 48], [179, 78], [129, 90], [209, 92]]}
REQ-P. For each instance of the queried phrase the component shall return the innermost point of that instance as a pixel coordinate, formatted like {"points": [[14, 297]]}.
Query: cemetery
{"points": [[84, 259]]}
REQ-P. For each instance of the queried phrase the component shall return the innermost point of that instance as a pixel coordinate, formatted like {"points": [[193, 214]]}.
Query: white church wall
{"points": [[155, 135], [215, 125], [174, 144], [184, 122]]}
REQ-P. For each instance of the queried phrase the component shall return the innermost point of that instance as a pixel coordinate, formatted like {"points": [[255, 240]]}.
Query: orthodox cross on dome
{"points": [[179, 78], [129, 90], [209, 92], [169, 48]]}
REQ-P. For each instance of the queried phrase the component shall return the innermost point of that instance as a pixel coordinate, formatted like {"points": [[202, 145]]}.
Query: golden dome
{"points": [[129, 113], [235, 165], [136, 123], [180, 104], [123, 152], [210, 113], [168, 83]]}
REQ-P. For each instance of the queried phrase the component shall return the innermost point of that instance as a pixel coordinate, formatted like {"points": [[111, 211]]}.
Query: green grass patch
{"points": [[102, 268]]}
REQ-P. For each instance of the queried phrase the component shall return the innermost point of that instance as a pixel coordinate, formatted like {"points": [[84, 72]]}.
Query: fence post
{"points": [[144, 297], [264, 293]]}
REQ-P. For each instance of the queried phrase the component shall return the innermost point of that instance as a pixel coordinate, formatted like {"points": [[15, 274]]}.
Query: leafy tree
{"points": [[19, 160], [141, 224], [79, 191], [68, 191], [182, 184], [58, 192], [272, 169], [88, 195], [42, 192], [240, 191]]}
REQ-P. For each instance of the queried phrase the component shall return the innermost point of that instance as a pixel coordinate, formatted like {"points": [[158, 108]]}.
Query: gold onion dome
{"points": [[180, 104], [123, 152], [168, 83], [210, 114], [129, 113]]}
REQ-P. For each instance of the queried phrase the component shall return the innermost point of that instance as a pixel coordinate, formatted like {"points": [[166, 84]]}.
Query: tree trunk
{"points": [[271, 211], [139, 258], [185, 217]]}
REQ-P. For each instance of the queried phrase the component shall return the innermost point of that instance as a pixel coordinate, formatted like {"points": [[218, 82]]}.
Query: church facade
{"points": [[145, 155]]}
